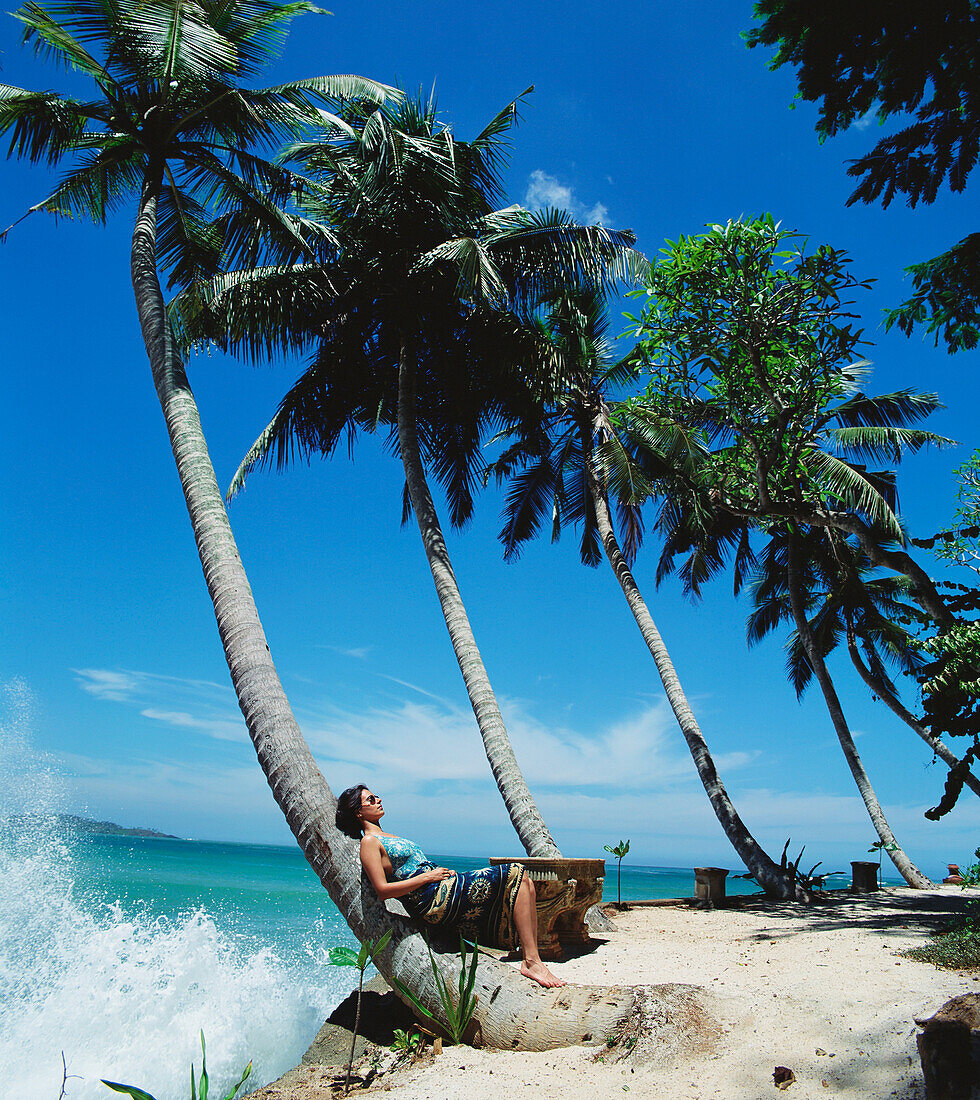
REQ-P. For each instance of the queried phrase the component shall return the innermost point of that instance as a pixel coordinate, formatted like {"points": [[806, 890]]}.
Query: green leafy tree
{"points": [[566, 466], [418, 313], [915, 64], [751, 349], [172, 126]]}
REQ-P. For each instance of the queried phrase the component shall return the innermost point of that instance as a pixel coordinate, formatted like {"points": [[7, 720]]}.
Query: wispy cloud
{"points": [[183, 703], [225, 729], [546, 190]]}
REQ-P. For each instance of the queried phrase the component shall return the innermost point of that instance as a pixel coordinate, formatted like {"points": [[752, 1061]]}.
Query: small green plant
{"points": [[881, 846], [198, 1091], [411, 1041], [347, 956], [957, 947], [458, 1014], [619, 852]]}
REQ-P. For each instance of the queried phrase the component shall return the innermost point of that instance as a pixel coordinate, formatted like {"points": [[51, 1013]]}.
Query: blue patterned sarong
{"points": [[479, 903]]}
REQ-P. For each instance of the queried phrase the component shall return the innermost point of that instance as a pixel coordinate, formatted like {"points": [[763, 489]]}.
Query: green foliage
{"points": [[411, 1041], [199, 1091], [881, 846], [414, 264], [170, 112], [621, 849], [971, 876], [959, 544], [958, 947], [949, 677], [916, 63], [844, 600], [369, 949], [572, 450], [457, 1011], [946, 297]]}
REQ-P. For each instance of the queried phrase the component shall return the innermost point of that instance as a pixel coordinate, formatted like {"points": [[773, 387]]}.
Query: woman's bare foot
{"points": [[539, 973]]}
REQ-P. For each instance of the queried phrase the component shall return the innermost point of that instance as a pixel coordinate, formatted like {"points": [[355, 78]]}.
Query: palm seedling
{"points": [[346, 956], [620, 852]]}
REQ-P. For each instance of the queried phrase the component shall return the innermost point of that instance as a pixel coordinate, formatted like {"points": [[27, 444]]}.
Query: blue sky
{"points": [[658, 119]]}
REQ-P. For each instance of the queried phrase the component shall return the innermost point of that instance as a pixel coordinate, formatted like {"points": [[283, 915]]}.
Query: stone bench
{"points": [[565, 890]]}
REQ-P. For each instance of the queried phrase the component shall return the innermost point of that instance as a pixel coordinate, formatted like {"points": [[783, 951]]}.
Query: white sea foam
{"points": [[124, 994]]}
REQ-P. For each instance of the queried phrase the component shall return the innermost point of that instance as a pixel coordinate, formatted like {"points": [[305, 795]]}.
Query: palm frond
{"points": [[530, 495], [883, 444], [53, 41], [852, 489], [900, 409], [43, 126]]}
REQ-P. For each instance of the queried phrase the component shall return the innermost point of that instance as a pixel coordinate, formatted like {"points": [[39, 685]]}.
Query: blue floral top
{"points": [[407, 858]]}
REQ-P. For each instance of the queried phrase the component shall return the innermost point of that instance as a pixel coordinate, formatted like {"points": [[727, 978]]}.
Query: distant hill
{"points": [[103, 828]]}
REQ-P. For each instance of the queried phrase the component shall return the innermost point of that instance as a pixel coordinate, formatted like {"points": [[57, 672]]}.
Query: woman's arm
{"points": [[373, 868]]}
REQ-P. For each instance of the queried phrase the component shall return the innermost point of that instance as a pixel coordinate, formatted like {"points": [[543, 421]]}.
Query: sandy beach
{"points": [[821, 990]]}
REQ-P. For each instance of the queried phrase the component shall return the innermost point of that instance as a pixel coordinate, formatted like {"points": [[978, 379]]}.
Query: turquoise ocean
{"points": [[119, 950]]}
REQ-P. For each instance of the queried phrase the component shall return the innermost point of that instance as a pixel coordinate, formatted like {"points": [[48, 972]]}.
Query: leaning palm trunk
{"points": [[770, 876], [906, 868], [511, 1012], [894, 704], [524, 814]]}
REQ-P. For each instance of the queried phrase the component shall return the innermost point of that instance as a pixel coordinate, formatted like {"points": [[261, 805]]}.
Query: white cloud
{"points": [[225, 729], [106, 683], [545, 190]]}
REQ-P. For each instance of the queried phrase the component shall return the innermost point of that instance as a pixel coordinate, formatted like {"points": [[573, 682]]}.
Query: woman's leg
{"points": [[526, 923]]}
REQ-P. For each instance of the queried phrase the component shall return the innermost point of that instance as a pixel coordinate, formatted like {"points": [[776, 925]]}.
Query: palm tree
{"points": [[568, 463], [418, 312], [793, 554], [173, 127], [856, 605]]}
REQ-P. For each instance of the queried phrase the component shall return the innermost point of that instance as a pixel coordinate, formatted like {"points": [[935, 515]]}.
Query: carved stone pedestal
{"points": [[565, 889]]}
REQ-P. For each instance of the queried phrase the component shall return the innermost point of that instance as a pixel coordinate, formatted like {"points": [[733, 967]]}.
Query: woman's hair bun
{"points": [[348, 805]]}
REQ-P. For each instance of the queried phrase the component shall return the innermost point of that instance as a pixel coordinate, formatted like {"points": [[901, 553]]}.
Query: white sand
{"points": [[786, 982]]}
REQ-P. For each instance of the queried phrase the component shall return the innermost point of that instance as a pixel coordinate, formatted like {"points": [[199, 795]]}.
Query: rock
{"points": [[949, 1049], [597, 921], [381, 1013]]}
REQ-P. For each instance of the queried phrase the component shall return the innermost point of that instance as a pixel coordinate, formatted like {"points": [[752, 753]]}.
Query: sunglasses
{"points": [[371, 800]]}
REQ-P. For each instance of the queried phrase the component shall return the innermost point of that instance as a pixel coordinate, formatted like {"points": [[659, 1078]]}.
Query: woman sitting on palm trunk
{"points": [[493, 906]]}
